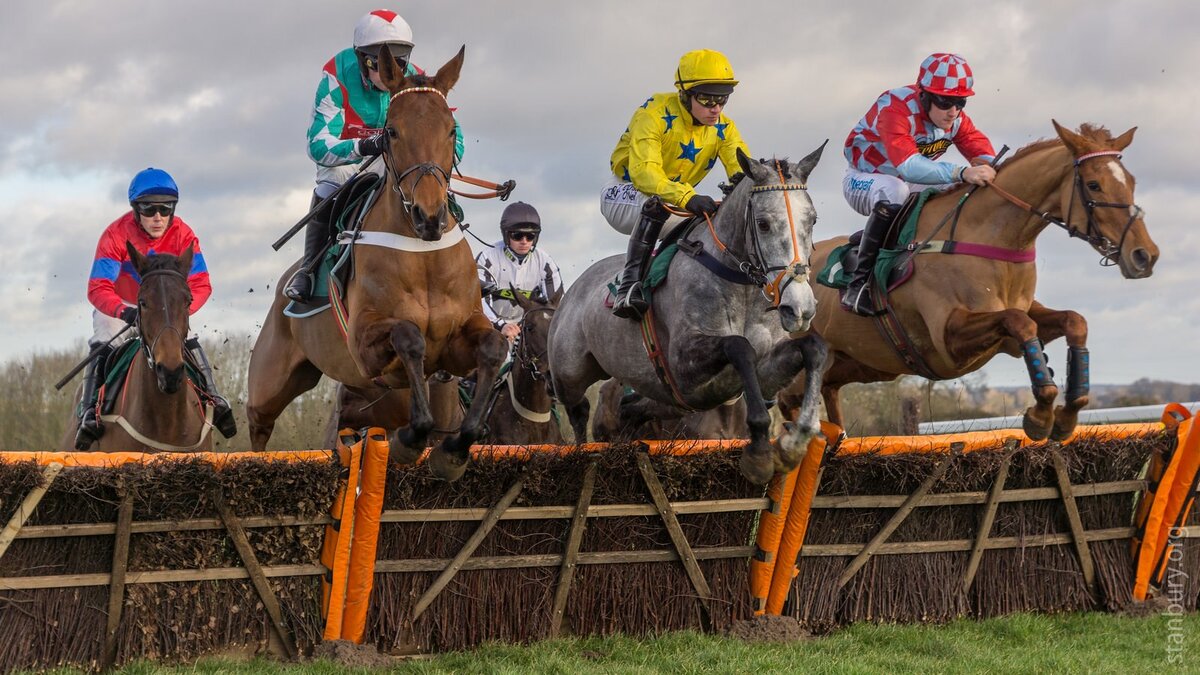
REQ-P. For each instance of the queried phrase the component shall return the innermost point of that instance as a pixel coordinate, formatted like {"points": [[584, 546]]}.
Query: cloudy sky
{"points": [[219, 93]]}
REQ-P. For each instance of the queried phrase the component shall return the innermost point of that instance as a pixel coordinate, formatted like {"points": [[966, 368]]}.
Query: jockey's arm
{"points": [[646, 162], [198, 279], [326, 146], [911, 165]]}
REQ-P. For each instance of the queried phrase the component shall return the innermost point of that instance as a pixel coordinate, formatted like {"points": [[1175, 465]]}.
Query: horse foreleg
{"points": [[484, 346], [809, 353], [409, 345], [1052, 324], [970, 334], [757, 462]]}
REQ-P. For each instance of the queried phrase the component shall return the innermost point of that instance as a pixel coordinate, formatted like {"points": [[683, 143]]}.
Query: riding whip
{"points": [[88, 359], [321, 204]]}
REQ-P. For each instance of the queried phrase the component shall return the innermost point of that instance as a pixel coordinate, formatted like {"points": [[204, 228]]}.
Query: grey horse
{"points": [[714, 316]]}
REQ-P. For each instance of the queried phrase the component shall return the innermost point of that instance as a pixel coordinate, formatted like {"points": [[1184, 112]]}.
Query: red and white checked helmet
{"points": [[946, 75], [381, 27]]}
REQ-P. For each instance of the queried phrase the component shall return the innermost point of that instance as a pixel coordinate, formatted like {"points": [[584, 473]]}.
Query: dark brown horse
{"points": [[959, 310], [159, 409], [612, 420], [413, 301], [523, 411], [389, 408]]}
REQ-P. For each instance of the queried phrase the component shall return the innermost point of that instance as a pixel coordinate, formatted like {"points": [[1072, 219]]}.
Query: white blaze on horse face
{"points": [[1117, 172]]}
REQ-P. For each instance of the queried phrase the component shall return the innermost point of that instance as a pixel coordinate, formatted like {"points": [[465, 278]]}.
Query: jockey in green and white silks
{"points": [[348, 117], [515, 264]]}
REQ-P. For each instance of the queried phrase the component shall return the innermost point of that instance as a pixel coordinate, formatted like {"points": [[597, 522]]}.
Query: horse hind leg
{"points": [[1053, 324], [273, 384]]}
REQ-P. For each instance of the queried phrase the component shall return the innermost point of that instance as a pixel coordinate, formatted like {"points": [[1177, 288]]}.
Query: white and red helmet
{"points": [[946, 75], [383, 27]]}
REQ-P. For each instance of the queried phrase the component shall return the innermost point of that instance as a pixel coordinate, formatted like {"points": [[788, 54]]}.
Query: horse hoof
{"points": [[446, 465], [1036, 431], [402, 454], [757, 467], [793, 445], [1063, 427]]}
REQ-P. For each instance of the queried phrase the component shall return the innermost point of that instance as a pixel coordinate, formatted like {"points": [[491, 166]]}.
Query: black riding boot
{"points": [[857, 296], [316, 235], [222, 413], [90, 427], [630, 303]]}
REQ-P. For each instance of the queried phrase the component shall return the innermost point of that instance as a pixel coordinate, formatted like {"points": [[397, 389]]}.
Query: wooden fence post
{"points": [[989, 515], [116, 586], [574, 538]]}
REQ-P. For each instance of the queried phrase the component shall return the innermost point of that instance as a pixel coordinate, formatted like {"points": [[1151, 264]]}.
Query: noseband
{"points": [[421, 170], [759, 271], [148, 346], [524, 352]]}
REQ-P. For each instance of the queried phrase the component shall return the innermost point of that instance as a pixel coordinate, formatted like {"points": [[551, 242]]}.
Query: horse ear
{"points": [[756, 171], [1121, 142], [447, 75], [390, 72], [138, 260], [185, 259], [522, 301], [806, 165], [1074, 142], [556, 296]]}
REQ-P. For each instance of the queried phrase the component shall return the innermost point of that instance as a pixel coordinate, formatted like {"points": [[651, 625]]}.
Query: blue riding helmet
{"points": [[154, 182]]}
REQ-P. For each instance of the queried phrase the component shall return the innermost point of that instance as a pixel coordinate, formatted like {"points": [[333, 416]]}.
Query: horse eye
{"points": [[1093, 185], [391, 132]]}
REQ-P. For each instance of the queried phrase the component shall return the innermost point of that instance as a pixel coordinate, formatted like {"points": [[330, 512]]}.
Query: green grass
{"points": [[1026, 643]]}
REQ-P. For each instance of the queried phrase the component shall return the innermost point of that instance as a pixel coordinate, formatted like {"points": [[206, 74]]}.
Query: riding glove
{"points": [[129, 315], [701, 205], [373, 145]]}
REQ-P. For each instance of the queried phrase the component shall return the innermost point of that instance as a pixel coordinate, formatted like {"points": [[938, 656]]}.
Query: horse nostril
{"points": [[1142, 258]]}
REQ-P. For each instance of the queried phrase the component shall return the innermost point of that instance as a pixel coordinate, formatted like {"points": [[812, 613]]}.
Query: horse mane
{"points": [[783, 163], [420, 80], [1092, 132], [160, 261]]}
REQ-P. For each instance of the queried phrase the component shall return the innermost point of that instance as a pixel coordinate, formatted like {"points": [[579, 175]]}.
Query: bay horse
{"points": [[714, 316], [523, 411], [389, 408], [959, 311], [412, 304], [158, 409]]}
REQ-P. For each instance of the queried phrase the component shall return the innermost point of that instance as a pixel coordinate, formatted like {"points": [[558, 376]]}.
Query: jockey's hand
{"points": [[510, 331], [701, 205], [129, 315], [981, 174], [374, 145]]}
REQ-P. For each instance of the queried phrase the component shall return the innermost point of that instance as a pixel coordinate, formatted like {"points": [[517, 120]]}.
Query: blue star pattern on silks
{"points": [[688, 151], [711, 163], [720, 130], [646, 104], [669, 119], [625, 176]]}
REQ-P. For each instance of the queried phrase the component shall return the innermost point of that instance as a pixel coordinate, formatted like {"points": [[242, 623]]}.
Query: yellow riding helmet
{"points": [[705, 70]]}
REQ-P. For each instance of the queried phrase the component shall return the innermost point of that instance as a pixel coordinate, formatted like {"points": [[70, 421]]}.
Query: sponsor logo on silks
{"points": [[861, 184], [507, 294], [934, 148]]}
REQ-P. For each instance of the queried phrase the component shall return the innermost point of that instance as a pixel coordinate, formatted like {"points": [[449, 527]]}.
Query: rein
{"points": [[757, 272], [148, 346], [1109, 254]]}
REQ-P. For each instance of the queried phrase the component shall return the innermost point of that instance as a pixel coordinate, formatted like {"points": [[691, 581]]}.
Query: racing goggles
{"points": [[948, 102], [149, 209], [710, 100]]}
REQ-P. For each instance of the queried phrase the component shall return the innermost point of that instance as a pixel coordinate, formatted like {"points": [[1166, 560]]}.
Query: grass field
{"points": [[1070, 643]]}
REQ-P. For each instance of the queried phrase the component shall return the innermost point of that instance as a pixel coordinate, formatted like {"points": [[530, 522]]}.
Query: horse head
{"points": [[164, 299], [421, 135], [768, 220], [1102, 190], [532, 343]]}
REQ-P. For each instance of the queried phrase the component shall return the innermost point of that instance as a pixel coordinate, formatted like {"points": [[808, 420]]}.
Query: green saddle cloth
{"points": [[656, 275], [835, 274]]}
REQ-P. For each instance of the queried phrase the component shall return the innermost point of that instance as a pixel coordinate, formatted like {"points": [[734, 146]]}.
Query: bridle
{"points": [[523, 349], [422, 169], [1110, 254], [149, 345], [758, 271]]}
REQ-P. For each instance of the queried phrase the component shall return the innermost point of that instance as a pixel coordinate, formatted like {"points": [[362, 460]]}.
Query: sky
{"points": [[220, 93]]}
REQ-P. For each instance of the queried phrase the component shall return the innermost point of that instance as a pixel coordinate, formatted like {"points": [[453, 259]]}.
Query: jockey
{"points": [[152, 227], [348, 117], [894, 147], [515, 264], [672, 142]]}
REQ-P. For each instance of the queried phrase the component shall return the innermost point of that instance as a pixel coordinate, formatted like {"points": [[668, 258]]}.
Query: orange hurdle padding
{"points": [[335, 551], [108, 459], [770, 530], [796, 525], [367, 510]]}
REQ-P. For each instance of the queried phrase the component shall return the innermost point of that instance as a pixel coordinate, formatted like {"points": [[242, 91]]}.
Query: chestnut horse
{"points": [[959, 310], [159, 409], [412, 304]]}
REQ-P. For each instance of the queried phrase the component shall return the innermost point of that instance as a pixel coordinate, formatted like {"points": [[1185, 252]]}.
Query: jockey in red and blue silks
{"points": [[152, 227], [896, 145]]}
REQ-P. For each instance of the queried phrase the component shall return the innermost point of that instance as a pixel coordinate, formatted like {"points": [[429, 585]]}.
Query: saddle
{"points": [[902, 232], [348, 210], [660, 262]]}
